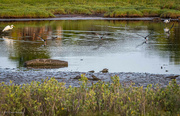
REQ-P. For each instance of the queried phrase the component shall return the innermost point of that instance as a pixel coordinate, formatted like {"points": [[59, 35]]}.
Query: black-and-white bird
{"points": [[45, 42], [100, 37], [166, 30], [167, 20], [145, 37], [42, 38], [8, 28]]}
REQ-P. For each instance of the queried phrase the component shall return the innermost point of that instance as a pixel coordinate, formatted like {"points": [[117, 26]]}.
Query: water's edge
{"points": [[79, 17]]}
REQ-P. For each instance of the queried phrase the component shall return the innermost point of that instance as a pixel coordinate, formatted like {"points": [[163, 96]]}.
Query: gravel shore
{"points": [[71, 78]]}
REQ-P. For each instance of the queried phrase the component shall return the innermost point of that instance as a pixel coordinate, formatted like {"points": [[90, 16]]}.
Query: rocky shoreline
{"points": [[72, 78]]}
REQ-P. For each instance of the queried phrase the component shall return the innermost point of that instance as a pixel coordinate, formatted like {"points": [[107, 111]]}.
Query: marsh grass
{"points": [[125, 13], [108, 8], [55, 10], [152, 12], [170, 13], [51, 97], [76, 10], [24, 12]]}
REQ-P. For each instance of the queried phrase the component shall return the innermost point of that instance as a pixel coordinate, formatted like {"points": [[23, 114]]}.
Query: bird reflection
{"points": [[166, 30], [99, 45], [44, 44], [144, 42], [8, 42]]}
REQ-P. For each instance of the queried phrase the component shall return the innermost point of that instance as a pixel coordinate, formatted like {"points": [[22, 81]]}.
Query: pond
{"points": [[121, 49]]}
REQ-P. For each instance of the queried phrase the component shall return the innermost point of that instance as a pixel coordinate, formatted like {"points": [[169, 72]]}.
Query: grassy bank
{"points": [[52, 98], [108, 8]]}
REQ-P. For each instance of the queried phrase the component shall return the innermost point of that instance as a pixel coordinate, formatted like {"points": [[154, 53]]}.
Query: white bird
{"points": [[167, 20], [8, 28]]}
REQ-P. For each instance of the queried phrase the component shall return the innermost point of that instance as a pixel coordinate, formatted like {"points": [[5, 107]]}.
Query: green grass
{"points": [[170, 13], [51, 97], [26, 11], [108, 8], [150, 12], [76, 10]]}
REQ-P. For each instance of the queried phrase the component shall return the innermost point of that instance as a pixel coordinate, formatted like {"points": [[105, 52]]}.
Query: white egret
{"points": [[8, 28], [167, 20]]}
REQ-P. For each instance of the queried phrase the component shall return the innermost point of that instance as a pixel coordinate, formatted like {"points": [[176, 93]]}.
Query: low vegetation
{"points": [[51, 97], [108, 8]]}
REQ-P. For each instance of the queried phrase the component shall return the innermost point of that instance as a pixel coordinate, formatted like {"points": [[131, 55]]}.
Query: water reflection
{"points": [[144, 42], [75, 40]]}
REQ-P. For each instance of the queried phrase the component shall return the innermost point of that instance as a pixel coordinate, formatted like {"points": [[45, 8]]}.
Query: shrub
{"points": [[51, 97]]}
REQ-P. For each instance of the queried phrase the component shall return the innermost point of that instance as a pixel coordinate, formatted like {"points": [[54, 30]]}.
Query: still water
{"points": [[122, 48]]}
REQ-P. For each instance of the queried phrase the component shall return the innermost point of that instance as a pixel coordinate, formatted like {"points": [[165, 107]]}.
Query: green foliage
{"points": [[51, 97]]}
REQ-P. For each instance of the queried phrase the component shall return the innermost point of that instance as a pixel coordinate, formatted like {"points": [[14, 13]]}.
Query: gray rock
{"points": [[172, 77], [95, 78], [92, 71], [77, 77], [105, 70]]}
